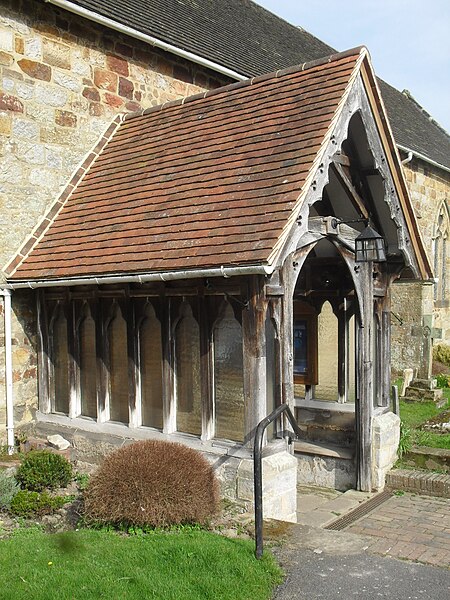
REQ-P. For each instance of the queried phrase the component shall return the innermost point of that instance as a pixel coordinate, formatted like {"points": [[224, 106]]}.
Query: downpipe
{"points": [[8, 369]]}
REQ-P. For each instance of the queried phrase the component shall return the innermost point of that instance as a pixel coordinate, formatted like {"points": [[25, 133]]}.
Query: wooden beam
{"points": [[72, 352], [364, 404], [350, 190], [341, 158], [363, 282], [169, 405], [254, 347], [42, 353], [205, 320], [101, 343]]}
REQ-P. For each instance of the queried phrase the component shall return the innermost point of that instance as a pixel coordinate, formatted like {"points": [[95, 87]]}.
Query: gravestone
{"points": [[423, 387]]}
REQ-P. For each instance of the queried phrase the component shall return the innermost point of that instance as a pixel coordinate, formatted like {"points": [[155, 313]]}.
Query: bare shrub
{"points": [[152, 483]]}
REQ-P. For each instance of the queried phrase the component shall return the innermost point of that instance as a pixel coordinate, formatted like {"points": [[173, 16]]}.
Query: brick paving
{"points": [[410, 527]]}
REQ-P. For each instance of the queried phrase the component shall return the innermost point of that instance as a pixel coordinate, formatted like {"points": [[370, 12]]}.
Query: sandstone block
{"points": [[51, 95], [25, 90], [132, 106], [126, 88], [11, 74], [279, 485], [113, 100], [81, 67], [10, 173], [96, 109], [24, 129], [67, 81], [54, 158], [32, 153], [56, 135], [65, 118], [117, 65], [35, 69], [57, 441], [91, 94], [6, 40], [56, 54], [6, 59], [42, 178], [11, 103], [8, 84], [19, 44], [33, 48], [106, 80], [5, 124]]}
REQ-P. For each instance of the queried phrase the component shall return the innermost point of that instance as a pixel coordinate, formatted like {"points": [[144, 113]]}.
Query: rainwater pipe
{"points": [[408, 159], [143, 37], [8, 370]]}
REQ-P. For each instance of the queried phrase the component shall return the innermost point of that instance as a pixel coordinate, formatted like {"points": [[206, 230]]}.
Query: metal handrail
{"points": [[257, 468]]}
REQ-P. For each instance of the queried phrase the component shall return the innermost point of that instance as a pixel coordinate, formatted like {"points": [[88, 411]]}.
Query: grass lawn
{"points": [[413, 414], [89, 564]]}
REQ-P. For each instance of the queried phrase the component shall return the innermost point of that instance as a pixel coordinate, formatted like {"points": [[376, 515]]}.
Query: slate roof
{"points": [[250, 40], [207, 181]]}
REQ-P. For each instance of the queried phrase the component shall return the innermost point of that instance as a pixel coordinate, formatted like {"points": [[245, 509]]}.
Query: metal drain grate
{"points": [[360, 511]]}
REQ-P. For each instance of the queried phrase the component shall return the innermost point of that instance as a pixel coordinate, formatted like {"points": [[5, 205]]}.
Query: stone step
{"points": [[418, 394], [322, 449]]}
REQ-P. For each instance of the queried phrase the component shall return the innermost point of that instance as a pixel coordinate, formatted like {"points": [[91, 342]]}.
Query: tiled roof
{"points": [[237, 34], [208, 181], [250, 40]]}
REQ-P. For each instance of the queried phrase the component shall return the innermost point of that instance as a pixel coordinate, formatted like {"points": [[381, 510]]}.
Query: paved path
{"points": [[410, 527], [362, 562]]}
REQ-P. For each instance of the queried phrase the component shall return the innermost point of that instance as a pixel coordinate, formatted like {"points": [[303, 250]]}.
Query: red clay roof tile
{"points": [[199, 183]]}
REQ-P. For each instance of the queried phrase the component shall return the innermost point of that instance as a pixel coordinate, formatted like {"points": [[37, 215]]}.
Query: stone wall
{"points": [[24, 358], [410, 302], [413, 303], [385, 440], [63, 79]]}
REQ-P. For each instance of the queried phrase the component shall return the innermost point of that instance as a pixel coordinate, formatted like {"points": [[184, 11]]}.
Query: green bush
{"points": [[8, 489], [26, 503], [152, 483], [41, 469], [443, 381], [441, 353]]}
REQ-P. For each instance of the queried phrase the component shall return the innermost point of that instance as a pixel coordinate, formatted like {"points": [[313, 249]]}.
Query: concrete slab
{"points": [[345, 503], [317, 518]]}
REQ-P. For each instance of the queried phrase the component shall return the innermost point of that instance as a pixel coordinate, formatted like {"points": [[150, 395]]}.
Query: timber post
{"points": [[254, 348], [364, 406]]}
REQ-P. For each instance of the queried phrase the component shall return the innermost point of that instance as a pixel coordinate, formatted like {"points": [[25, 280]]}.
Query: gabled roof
{"points": [[249, 40], [213, 180]]}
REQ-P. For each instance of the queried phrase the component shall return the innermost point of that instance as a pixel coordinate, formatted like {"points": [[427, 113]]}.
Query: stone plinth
{"points": [[279, 485], [385, 440], [423, 390]]}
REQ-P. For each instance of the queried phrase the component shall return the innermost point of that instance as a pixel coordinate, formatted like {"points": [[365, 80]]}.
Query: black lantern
{"points": [[369, 246]]}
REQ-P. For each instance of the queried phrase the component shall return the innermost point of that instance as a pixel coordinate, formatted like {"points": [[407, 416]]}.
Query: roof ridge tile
{"points": [[249, 82]]}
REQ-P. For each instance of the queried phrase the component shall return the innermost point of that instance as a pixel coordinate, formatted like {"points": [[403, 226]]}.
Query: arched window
{"points": [[151, 369], [88, 375], [187, 373], [441, 254], [228, 377], [118, 367], [60, 360]]}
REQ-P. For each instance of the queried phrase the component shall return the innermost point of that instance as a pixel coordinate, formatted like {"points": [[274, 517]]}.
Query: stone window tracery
{"points": [[441, 240]]}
